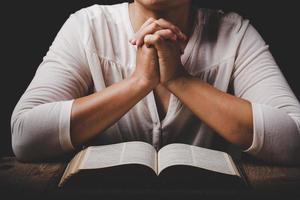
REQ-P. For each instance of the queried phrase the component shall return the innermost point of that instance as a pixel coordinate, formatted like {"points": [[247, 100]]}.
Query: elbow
{"points": [[21, 150], [16, 138], [41, 132], [23, 142], [290, 157], [276, 137], [28, 149], [35, 139], [283, 152], [21, 145], [278, 149], [291, 151], [288, 152]]}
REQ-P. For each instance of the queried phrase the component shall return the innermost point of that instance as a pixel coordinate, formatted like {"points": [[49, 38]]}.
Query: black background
{"points": [[29, 27]]}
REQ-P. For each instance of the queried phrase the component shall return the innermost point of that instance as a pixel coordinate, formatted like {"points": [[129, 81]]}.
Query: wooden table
{"points": [[40, 180]]}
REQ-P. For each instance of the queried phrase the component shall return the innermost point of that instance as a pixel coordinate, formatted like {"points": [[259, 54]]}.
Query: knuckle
{"points": [[173, 27], [151, 19], [160, 20], [154, 27], [168, 31]]}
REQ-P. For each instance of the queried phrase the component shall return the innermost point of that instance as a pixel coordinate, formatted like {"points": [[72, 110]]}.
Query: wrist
{"points": [[142, 83], [179, 80]]}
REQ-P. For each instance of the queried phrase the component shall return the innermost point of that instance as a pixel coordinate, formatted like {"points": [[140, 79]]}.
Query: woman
{"points": [[160, 72]]}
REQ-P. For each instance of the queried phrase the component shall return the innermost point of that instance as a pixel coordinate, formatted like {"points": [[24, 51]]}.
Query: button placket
{"points": [[157, 137]]}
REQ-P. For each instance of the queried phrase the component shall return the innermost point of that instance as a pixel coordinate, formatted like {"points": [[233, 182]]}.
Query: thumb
{"points": [[153, 40]]}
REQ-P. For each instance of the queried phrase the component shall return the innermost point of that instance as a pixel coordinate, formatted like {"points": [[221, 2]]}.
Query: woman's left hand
{"points": [[168, 49]]}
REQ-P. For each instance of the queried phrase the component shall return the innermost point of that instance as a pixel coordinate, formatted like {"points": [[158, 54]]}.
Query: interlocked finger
{"points": [[150, 29], [151, 26], [168, 25], [148, 22]]}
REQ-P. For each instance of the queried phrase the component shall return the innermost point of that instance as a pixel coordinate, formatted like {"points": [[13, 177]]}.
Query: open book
{"points": [[126, 162]]}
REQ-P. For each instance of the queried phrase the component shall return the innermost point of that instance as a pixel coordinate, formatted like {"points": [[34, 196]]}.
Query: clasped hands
{"points": [[159, 48]]}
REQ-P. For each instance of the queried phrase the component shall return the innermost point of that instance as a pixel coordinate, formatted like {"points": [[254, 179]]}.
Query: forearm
{"points": [[95, 113], [228, 115]]}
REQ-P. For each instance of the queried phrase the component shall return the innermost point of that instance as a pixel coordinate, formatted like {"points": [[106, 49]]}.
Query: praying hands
{"points": [[160, 44]]}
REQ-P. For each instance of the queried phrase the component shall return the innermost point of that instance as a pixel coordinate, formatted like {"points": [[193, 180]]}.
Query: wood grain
{"points": [[42, 178], [269, 177], [35, 178]]}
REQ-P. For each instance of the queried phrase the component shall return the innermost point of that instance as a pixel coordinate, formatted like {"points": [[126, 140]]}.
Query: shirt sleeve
{"points": [[276, 110], [40, 122]]}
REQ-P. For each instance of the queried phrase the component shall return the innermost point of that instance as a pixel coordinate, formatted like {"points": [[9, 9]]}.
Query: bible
{"points": [[139, 164]]}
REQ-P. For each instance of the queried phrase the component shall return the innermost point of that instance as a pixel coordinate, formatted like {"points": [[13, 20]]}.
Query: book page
{"points": [[120, 154], [183, 154], [174, 154]]}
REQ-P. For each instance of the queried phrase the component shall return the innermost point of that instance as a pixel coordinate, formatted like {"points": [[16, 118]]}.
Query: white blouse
{"points": [[92, 52]]}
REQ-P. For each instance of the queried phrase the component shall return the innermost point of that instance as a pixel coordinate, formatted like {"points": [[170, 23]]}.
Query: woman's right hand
{"points": [[147, 67]]}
